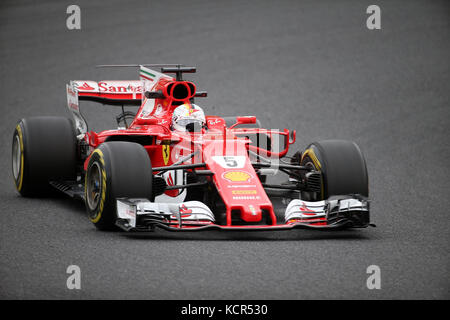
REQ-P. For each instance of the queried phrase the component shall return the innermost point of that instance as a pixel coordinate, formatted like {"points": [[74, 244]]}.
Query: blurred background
{"points": [[312, 66]]}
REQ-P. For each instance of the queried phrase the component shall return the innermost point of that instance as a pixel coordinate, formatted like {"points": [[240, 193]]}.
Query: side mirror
{"points": [[292, 136], [245, 120]]}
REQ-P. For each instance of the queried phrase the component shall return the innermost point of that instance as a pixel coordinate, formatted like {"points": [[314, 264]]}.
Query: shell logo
{"points": [[237, 176]]}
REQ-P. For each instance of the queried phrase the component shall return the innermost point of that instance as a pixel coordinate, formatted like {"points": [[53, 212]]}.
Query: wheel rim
{"points": [[16, 157], [310, 165], [94, 186]]}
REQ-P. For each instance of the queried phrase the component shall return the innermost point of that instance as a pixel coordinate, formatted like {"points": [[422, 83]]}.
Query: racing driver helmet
{"points": [[188, 117]]}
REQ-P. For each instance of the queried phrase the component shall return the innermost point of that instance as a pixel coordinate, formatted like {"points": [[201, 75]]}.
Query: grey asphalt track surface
{"points": [[306, 65]]}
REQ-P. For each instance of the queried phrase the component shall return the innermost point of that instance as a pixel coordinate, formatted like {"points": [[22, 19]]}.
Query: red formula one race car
{"points": [[170, 166]]}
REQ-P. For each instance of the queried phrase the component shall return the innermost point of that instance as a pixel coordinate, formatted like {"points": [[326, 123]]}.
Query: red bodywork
{"points": [[239, 187]]}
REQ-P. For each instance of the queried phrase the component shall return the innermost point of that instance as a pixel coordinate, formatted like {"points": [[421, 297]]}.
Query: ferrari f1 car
{"points": [[148, 174]]}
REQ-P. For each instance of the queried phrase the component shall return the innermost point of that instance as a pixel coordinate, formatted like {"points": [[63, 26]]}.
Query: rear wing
{"points": [[111, 92], [117, 92]]}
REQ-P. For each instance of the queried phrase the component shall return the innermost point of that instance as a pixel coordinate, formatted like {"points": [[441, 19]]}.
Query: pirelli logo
{"points": [[243, 192]]}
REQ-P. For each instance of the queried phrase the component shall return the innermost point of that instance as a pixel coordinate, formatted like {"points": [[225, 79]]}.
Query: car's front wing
{"points": [[334, 213]]}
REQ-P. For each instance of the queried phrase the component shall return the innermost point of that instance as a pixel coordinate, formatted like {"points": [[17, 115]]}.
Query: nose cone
{"points": [[237, 182], [251, 213]]}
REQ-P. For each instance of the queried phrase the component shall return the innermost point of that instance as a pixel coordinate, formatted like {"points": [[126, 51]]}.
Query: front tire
{"points": [[342, 166], [116, 169]]}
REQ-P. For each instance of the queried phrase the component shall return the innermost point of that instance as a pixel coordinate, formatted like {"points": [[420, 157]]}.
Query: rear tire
{"points": [[43, 149], [116, 169], [342, 166]]}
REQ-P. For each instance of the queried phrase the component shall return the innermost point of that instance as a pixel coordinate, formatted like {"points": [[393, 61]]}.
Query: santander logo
{"points": [[113, 87], [117, 88], [85, 86]]}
